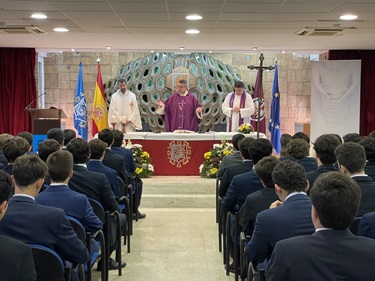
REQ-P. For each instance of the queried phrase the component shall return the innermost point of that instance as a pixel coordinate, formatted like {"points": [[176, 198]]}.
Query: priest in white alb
{"points": [[123, 109], [238, 107]]}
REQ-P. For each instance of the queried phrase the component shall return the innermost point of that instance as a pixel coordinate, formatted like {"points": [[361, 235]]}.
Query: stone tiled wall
{"points": [[61, 73]]}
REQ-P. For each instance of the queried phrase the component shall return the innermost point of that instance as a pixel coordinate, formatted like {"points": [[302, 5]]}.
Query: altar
{"points": [[179, 154]]}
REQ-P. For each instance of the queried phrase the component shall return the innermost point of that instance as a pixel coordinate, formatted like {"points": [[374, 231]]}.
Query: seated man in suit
{"points": [[45, 148], [58, 194], [231, 159], [289, 217], [369, 145], [94, 185], [13, 149], [69, 134], [3, 139], [56, 134], [29, 138], [298, 150], [237, 169], [284, 140], [98, 148], [324, 146], [262, 199], [332, 252], [117, 163], [16, 258], [366, 226], [31, 223], [351, 158]]}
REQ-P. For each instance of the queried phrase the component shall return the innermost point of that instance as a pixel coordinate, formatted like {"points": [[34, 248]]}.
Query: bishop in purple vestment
{"points": [[180, 110]]}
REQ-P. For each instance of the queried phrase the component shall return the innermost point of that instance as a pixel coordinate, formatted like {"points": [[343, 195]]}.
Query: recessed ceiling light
{"points": [[181, 48], [283, 52], [348, 17], [152, 51], [210, 52], [108, 47], [61, 29], [255, 48], [73, 50], [192, 31], [39, 16], [193, 17]]}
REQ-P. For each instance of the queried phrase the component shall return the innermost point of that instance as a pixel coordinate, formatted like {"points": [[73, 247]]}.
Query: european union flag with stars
{"points": [[80, 107], [274, 125]]}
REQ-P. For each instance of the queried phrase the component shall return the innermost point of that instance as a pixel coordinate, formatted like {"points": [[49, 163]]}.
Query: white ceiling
{"points": [[227, 25]]}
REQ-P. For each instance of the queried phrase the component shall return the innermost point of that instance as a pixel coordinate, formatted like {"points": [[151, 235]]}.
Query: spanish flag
{"points": [[99, 108]]}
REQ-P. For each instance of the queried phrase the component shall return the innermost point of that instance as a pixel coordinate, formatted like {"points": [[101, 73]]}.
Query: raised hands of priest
{"points": [[199, 112], [160, 103]]}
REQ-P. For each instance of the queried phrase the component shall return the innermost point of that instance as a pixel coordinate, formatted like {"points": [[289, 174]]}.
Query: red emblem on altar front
{"points": [[179, 153]]}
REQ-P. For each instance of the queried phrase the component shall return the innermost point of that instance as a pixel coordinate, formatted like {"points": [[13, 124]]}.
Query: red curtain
{"points": [[367, 111], [17, 89]]}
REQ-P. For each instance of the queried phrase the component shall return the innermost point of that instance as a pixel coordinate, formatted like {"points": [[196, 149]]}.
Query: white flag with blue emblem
{"points": [[80, 107]]}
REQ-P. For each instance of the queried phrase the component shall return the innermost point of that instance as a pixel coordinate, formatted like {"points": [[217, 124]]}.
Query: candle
{"points": [[114, 119], [123, 119]]}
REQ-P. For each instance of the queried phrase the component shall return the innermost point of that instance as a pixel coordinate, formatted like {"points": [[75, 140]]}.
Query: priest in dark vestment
{"points": [[181, 110]]}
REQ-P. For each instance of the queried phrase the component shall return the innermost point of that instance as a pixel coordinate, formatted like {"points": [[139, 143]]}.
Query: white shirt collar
{"points": [[24, 195], [294, 193]]}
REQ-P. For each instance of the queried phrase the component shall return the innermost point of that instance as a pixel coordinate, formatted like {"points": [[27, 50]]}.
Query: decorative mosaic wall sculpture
{"points": [[153, 77]]}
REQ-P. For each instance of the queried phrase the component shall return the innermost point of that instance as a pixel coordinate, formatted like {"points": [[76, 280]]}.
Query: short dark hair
{"points": [[183, 81], [27, 136], [368, 144], [118, 138], [97, 148], [260, 148], [325, 146], [236, 139], [69, 134], [80, 150], [28, 169], [239, 84], [244, 146], [4, 138], [298, 149], [106, 135], [264, 168], [352, 156], [336, 198], [56, 134], [351, 137], [14, 148], [301, 135], [290, 176], [121, 80], [284, 140], [60, 164], [338, 137], [46, 147], [5, 186]]}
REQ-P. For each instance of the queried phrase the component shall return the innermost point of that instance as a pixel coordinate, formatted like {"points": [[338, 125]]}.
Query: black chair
{"points": [[354, 226], [105, 217], [126, 203], [86, 238], [48, 264]]}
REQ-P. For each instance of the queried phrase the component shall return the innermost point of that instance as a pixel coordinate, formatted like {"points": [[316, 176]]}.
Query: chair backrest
{"points": [[354, 226], [78, 229], [98, 209], [48, 264]]}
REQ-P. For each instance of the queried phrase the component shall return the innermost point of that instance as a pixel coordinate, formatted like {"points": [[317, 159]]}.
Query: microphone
{"points": [[28, 106]]}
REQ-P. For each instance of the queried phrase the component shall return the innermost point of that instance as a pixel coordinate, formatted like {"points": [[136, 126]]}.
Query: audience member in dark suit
{"points": [[16, 258], [369, 145], [45, 148], [56, 134], [298, 150], [351, 157], [3, 139], [29, 138], [93, 185], [117, 163], [95, 164], [238, 169], [31, 223], [332, 252], [351, 137], [289, 217], [367, 225], [231, 159], [244, 184], [262, 199], [284, 140], [116, 147], [69, 134], [324, 147], [14, 148]]}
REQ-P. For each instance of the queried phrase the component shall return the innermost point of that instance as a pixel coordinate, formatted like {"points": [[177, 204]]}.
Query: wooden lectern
{"points": [[45, 119]]}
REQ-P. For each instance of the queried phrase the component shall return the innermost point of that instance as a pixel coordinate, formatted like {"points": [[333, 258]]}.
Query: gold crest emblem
{"points": [[179, 153], [98, 112]]}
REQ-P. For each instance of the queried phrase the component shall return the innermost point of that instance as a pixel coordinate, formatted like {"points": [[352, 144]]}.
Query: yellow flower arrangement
{"points": [[246, 128], [142, 159], [212, 159]]}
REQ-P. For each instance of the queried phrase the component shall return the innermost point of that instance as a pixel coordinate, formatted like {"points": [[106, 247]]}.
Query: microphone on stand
{"points": [[28, 106]]}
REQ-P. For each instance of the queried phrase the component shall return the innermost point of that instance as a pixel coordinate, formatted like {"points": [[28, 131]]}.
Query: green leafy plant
{"points": [[212, 159]]}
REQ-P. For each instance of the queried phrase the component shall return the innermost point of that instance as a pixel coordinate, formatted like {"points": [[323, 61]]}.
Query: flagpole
{"points": [[260, 68]]}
